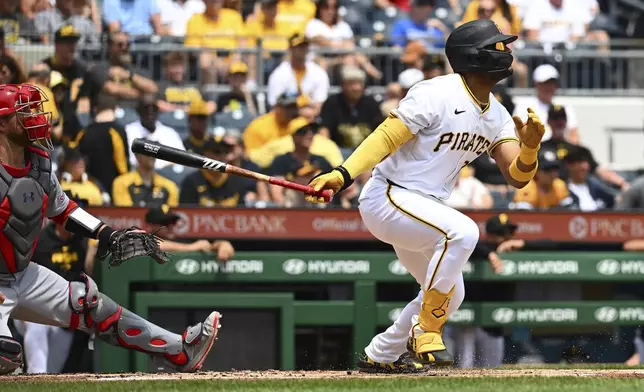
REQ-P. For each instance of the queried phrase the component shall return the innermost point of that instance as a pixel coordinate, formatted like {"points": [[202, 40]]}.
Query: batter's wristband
{"points": [[346, 177]]}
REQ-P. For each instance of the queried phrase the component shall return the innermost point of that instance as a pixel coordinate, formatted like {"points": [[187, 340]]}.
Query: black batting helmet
{"points": [[478, 46]]}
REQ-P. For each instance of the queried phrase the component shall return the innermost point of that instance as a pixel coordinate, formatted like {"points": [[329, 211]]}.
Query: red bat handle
{"points": [[326, 194]]}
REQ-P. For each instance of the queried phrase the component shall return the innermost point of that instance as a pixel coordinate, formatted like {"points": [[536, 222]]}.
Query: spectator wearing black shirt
{"points": [[299, 166], [238, 95], [104, 142], [557, 121], [15, 24], [64, 60], [209, 189], [117, 76], [350, 116], [197, 127], [175, 93]]}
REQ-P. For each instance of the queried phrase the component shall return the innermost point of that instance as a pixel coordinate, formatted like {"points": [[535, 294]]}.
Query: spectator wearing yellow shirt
{"points": [[143, 187], [273, 124], [274, 33], [297, 13], [546, 190], [321, 145], [218, 28]]}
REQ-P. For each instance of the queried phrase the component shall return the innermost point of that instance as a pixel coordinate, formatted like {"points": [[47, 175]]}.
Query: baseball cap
{"points": [[557, 112], [287, 99], [161, 216], [297, 39], [500, 225], [353, 73], [238, 68], [67, 33], [413, 52], [545, 72], [548, 160], [218, 145], [301, 126], [71, 154], [409, 77], [296, 124], [56, 79], [577, 154], [198, 107]]}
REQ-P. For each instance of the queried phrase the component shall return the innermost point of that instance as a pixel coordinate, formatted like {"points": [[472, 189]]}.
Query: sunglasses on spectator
{"points": [[121, 44]]}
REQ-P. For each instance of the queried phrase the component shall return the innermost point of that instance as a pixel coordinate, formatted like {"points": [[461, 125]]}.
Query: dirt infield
{"points": [[317, 375]]}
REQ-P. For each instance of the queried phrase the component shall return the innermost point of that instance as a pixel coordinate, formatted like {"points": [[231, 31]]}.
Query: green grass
{"points": [[492, 384]]}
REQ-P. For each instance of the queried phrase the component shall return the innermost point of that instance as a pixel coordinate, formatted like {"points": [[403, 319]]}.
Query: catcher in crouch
{"points": [[29, 192]]}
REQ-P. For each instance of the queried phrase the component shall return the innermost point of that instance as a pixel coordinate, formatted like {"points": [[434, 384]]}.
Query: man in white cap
{"points": [[546, 84], [408, 78]]}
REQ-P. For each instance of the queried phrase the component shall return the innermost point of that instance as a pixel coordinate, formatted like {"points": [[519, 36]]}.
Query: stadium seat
{"points": [[84, 119], [238, 119], [177, 120], [126, 116], [176, 173]]}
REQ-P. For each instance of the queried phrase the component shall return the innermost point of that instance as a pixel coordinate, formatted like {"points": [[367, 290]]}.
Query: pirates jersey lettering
{"points": [[451, 129]]}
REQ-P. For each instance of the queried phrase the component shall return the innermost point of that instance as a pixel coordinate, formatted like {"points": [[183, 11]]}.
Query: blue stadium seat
{"points": [[176, 173], [177, 120], [238, 119], [84, 119], [126, 116]]}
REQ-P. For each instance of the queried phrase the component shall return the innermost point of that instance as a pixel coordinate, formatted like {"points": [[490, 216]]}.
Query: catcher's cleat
{"points": [[197, 342], [433, 354], [406, 364]]}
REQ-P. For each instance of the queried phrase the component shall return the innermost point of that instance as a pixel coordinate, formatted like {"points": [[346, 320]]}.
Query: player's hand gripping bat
{"points": [[190, 159]]}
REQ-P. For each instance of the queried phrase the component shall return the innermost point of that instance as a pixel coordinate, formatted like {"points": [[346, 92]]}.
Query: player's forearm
{"points": [[79, 221], [382, 142]]}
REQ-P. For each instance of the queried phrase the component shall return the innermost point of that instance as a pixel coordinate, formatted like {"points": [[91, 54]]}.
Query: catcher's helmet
{"points": [[26, 102], [479, 46]]}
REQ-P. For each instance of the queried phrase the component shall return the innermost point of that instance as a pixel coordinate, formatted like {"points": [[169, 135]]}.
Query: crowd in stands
{"points": [[297, 128]]}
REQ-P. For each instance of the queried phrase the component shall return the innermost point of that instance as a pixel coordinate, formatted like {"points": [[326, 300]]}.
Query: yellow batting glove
{"points": [[531, 132], [332, 180]]}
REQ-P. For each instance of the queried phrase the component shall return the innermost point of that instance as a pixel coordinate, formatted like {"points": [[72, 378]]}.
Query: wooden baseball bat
{"points": [[190, 159]]}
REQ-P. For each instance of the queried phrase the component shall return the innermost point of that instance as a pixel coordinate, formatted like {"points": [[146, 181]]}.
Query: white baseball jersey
{"points": [[451, 131]]}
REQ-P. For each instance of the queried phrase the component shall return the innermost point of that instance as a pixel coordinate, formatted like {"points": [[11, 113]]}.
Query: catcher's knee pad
{"points": [[83, 296], [10, 355]]}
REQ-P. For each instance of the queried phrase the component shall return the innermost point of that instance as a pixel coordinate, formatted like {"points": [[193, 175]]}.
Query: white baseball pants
{"points": [[45, 347], [432, 241]]}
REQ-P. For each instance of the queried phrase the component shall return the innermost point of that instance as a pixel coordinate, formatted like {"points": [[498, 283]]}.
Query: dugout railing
{"points": [[269, 282]]}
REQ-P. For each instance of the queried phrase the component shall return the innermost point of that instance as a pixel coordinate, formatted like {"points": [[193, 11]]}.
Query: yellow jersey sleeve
{"points": [[173, 193], [561, 192], [120, 193], [471, 12]]}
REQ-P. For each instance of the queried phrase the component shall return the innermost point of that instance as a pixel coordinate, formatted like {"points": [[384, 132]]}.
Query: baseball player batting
{"points": [[416, 155], [30, 192]]}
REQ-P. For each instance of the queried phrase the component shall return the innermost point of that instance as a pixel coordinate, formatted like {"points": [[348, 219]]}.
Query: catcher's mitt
{"points": [[126, 244]]}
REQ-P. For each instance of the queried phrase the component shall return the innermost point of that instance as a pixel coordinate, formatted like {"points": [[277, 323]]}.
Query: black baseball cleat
{"points": [[406, 364]]}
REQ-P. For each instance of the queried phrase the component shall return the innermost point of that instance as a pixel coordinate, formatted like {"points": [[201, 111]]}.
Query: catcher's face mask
{"points": [[26, 101]]}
